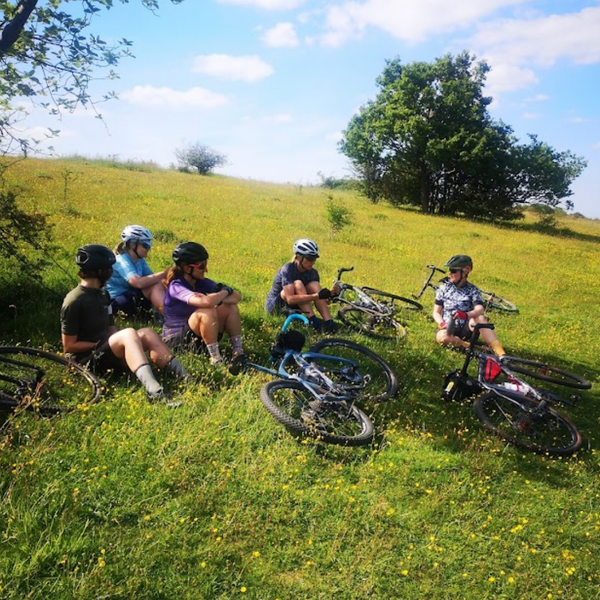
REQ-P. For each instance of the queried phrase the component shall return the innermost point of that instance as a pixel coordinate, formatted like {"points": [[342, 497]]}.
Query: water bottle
{"points": [[515, 386]]}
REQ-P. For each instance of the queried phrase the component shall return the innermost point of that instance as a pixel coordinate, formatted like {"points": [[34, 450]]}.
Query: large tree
{"points": [[428, 140], [48, 55]]}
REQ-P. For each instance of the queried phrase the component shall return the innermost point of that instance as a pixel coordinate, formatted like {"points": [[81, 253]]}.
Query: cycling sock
{"points": [[215, 353], [496, 346], [174, 367], [315, 323], [236, 345], [146, 377]]}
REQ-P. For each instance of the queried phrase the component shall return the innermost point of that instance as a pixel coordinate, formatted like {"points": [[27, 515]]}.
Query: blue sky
{"points": [[273, 83]]}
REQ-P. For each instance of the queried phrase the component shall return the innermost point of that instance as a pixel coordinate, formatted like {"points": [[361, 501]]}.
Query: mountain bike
{"points": [[371, 311], [514, 409], [317, 390], [490, 299], [40, 381]]}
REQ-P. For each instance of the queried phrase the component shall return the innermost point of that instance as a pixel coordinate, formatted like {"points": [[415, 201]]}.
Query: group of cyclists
{"points": [[197, 311]]}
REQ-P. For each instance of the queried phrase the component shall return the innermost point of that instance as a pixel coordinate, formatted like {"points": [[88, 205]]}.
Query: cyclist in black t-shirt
{"points": [[297, 287]]}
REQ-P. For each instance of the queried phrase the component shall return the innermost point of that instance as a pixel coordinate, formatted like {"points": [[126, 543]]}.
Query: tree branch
{"points": [[12, 30]]}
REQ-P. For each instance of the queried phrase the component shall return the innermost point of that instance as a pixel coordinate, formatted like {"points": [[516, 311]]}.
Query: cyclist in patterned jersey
{"points": [[133, 286], [198, 310], [459, 307], [89, 334], [297, 287]]}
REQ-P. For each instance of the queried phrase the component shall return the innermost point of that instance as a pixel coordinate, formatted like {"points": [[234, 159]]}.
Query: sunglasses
{"points": [[455, 270], [145, 245], [200, 265]]}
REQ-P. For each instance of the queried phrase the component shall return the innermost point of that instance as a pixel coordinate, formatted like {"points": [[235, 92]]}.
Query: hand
{"points": [[219, 287], [460, 314], [324, 294]]}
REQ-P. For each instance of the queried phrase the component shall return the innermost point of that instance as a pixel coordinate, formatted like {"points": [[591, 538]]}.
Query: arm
{"points": [[72, 344], [437, 314], [140, 283], [290, 296]]}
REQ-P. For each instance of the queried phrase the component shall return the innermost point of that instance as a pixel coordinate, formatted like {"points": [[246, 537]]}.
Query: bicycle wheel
{"points": [[292, 405], [496, 302], [32, 379], [397, 302], [540, 370], [518, 420], [365, 368], [375, 325]]}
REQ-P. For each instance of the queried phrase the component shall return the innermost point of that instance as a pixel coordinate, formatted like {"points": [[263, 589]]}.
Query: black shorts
{"points": [[101, 360]]}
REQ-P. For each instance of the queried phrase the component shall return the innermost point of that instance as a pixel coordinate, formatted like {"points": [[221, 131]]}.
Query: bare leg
{"points": [[204, 322], [314, 287], [156, 294], [229, 319]]}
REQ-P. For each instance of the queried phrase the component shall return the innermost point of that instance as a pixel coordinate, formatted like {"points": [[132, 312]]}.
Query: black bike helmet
{"points": [[94, 257], [189, 253], [460, 261]]}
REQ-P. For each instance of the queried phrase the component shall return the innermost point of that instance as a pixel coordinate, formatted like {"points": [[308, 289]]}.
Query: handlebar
{"points": [[293, 317], [434, 268], [344, 270]]}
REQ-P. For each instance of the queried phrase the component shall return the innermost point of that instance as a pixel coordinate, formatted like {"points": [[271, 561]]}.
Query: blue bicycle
{"points": [[317, 392]]}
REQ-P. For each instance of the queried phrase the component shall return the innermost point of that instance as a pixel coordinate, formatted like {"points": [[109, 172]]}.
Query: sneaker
{"points": [[238, 362], [316, 323], [330, 326], [162, 397], [216, 361]]}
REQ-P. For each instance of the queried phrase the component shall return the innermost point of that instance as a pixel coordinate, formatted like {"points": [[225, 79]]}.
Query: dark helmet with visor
{"points": [[94, 257], [189, 253], [460, 261]]}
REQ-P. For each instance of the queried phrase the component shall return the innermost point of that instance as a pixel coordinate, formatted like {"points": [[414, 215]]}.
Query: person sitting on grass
{"points": [[88, 332], [297, 287], [197, 310], [458, 303], [133, 286]]}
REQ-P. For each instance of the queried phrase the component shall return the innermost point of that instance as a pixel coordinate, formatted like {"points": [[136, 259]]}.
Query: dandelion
{"points": [[243, 590]]}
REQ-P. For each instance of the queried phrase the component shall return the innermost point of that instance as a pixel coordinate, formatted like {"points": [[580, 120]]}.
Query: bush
{"points": [[200, 157], [338, 215]]}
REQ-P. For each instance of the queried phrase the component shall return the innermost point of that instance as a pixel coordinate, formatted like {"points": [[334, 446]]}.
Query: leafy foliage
{"points": [[428, 140], [200, 157], [47, 55], [338, 215]]}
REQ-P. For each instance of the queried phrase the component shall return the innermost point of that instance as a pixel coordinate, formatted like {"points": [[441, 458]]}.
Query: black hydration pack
{"points": [[458, 387]]}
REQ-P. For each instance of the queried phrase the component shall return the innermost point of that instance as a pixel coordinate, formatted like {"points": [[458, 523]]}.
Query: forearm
{"points": [[147, 281]]}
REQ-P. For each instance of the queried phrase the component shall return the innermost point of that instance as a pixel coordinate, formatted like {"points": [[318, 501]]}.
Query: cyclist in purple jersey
{"points": [[458, 304], [197, 310]]}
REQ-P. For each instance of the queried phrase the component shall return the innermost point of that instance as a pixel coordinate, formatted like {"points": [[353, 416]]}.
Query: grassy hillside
{"points": [[215, 500]]}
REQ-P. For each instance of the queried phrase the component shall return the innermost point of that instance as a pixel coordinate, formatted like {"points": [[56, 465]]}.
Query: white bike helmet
{"points": [[307, 248], [137, 234]]}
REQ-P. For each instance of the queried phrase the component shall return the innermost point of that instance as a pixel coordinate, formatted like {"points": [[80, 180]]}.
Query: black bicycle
{"points": [[40, 381], [513, 408], [318, 390], [490, 299], [371, 311]]}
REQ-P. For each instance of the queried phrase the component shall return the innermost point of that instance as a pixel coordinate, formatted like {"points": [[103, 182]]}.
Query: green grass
{"points": [[216, 500]]}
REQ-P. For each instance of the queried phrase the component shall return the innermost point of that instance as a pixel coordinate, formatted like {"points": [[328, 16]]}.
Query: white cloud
{"points": [[409, 21], [530, 116], [543, 41], [283, 35], [267, 4], [536, 98], [155, 97], [513, 47], [248, 68]]}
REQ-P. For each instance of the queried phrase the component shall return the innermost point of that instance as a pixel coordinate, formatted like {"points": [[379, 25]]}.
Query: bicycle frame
{"points": [[428, 283], [522, 387], [308, 370], [365, 302]]}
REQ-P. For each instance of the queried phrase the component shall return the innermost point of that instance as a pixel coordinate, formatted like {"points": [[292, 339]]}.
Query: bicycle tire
{"points": [[544, 372], [383, 384], [381, 327], [495, 302], [397, 301], [292, 405], [513, 419], [44, 382]]}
